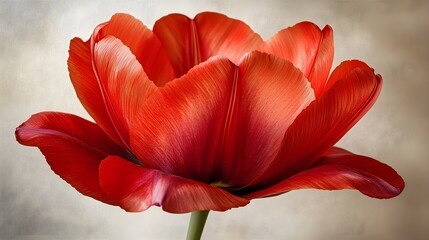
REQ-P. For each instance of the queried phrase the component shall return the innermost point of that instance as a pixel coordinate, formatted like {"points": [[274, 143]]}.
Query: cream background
{"points": [[390, 36]]}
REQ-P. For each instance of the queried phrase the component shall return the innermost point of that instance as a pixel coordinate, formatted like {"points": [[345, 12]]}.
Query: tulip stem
{"points": [[196, 225]]}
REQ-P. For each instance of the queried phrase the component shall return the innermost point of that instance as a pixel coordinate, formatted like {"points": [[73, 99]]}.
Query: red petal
{"points": [[340, 169], [138, 188], [144, 45], [73, 147], [189, 42], [124, 84], [220, 35], [308, 48], [325, 121], [270, 93], [87, 87], [179, 128], [219, 123], [343, 70]]}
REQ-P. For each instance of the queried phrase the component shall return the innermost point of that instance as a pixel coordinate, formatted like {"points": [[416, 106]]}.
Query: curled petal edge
{"points": [[137, 188], [339, 169], [73, 147]]}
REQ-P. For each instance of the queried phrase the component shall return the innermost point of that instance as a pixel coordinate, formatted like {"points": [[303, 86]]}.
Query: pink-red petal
{"points": [[143, 44], [178, 129], [308, 48], [73, 147], [191, 41], [87, 86], [137, 188], [324, 122], [123, 82], [343, 70], [221, 35], [269, 93], [339, 169]]}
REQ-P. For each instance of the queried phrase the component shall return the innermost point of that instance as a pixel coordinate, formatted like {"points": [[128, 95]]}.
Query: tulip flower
{"points": [[202, 114]]}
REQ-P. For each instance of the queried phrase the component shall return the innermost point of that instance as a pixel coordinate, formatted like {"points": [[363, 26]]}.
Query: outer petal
{"points": [[144, 45], [270, 92], [87, 86], [124, 84], [138, 188], [179, 128], [340, 169], [189, 42], [308, 48], [324, 122], [73, 147]]}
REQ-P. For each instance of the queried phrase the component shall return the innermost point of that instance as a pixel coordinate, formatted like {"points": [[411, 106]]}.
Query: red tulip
{"points": [[202, 114]]}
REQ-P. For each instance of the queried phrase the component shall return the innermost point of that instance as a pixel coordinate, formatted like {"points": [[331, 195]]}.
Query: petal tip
{"points": [[328, 29]]}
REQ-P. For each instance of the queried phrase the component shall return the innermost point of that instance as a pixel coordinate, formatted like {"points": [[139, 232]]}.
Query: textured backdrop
{"points": [[390, 36]]}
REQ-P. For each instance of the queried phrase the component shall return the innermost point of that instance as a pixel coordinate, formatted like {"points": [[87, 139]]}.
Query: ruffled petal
{"points": [[123, 82], [324, 122], [144, 45], [189, 42], [270, 92], [178, 129], [138, 188], [308, 48], [339, 169], [73, 147]]}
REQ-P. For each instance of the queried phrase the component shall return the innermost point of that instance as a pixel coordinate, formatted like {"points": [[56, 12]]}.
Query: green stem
{"points": [[196, 225]]}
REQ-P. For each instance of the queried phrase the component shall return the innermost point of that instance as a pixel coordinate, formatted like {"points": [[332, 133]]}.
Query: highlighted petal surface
{"points": [[87, 86], [138, 188], [339, 169], [73, 147], [124, 84]]}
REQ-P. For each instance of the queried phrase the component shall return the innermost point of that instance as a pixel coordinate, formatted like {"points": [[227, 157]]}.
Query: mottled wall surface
{"points": [[390, 36]]}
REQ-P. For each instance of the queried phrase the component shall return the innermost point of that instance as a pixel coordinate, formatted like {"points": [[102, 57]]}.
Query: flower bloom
{"points": [[202, 114]]}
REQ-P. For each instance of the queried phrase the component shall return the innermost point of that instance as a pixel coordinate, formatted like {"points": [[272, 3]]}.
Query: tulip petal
{"points": [[220, 123], [343, 70], [178, 129], [124, 84], [308, 48], [221, 35], [325, 121], [189, 42], [144, 45], [73, 147], [138, 188], [87, 86], [271, 93], [339, 169]]}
